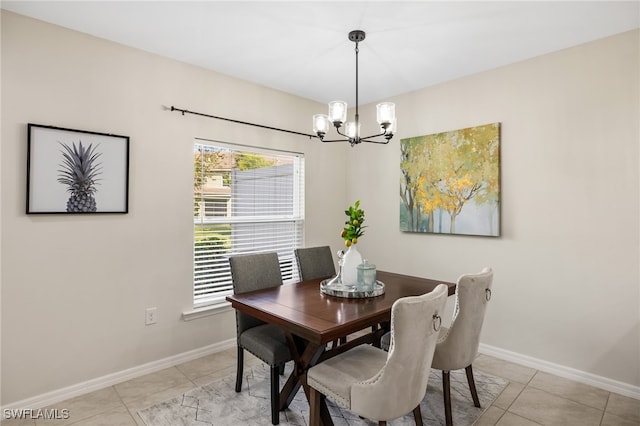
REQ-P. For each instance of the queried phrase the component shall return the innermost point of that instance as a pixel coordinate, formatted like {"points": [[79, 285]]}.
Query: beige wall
{"points": [[567, 285], [74, 289]]}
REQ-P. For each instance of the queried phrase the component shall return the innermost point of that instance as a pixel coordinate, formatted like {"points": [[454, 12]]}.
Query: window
{"points": [[246, 200]]}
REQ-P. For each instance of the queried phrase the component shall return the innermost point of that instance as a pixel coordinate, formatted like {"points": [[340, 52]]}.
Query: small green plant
{"points": [[353, 228]]}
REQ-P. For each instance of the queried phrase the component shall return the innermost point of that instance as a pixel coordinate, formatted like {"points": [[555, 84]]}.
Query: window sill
{"points": [[206, 311]]}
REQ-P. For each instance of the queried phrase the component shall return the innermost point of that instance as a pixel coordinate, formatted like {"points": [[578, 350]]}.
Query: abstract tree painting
{"points": [[450, 182]]}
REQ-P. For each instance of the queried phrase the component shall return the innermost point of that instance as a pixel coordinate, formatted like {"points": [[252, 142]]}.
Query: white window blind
{"points": [[246, 200]]}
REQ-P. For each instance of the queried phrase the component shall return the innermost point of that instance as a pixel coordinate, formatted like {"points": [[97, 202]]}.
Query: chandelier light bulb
{"points": [[321, 124], [386, 113], [351, 130], [338, 112]]}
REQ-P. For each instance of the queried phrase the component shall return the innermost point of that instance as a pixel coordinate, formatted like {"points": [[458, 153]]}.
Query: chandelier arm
{"points": [[336, 140], [384, 142], [373, 136], [342, 134]]}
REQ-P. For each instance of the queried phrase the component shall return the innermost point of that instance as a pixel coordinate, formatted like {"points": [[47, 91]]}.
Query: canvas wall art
{"points": [[76, 172], [450, 182]]}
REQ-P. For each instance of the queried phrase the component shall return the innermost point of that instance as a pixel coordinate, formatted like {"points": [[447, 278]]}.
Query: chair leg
{"points": [[239, 368], [446, 391], [382, 423], [281, 369], [315, 401], [472, 386], [417, 415], [275, 394]]}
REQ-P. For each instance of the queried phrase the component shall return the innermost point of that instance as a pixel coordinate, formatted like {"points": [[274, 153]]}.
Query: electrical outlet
{"points": [[151, 316]]}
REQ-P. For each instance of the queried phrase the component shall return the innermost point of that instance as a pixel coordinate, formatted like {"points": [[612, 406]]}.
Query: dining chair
{"points": [[315, 262], [458, 344], [266, 341], [381, 385]]}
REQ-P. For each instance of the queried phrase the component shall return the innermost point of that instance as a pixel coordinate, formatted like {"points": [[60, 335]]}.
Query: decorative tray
{"points": [[333, 287]]}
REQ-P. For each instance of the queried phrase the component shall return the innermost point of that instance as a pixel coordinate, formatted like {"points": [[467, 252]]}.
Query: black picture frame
{"points": [[72, 171]]}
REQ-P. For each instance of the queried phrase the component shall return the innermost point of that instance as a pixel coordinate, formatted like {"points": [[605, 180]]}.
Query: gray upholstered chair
{"points": [[265, 341], [315, 262], [383, 385], [458, 345]]}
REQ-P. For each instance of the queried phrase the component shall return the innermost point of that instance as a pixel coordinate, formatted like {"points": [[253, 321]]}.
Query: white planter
{"points": [[352, 258]]}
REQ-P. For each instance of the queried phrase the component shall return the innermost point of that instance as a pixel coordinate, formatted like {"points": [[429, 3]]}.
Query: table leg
{"points": [[311, 353], [305, 355]]}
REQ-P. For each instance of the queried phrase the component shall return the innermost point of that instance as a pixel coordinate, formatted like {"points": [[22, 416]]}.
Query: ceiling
{"points": [[302, 47]]}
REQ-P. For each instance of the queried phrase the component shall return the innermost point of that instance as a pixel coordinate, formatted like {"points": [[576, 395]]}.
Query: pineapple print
{"points": [[79, 172]]}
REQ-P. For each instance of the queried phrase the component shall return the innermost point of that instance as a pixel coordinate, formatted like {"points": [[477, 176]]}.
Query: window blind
{"points": [[246, 200]]}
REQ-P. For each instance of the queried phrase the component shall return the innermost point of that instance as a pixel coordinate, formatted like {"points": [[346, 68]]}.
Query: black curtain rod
{"points": [[185, 111]]}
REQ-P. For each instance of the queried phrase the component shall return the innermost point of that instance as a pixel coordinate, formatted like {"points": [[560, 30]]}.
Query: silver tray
{"points": [[350, 291]]}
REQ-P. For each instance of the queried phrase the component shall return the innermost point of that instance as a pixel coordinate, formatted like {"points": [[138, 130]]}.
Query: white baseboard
{"points": [[610, 385], [49, 398]]}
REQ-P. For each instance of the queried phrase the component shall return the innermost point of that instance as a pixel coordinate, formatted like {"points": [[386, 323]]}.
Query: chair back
{"points": [[315, 262], [459, 347], [251, 272], [401, 384]]}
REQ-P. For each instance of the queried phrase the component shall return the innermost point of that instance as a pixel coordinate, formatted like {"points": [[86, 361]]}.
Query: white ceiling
{"points": [[302, 47]]}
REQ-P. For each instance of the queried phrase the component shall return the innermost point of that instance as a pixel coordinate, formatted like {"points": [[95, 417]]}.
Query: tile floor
{"points": [[531, 398]]}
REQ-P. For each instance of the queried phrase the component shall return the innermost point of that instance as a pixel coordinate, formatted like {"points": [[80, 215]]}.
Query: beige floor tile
{"points": [[230, 352], [207, 365], [625, 407], [150, 399], [578, 392], [205, 380], [505, 369], [490, 417], [551, 410], [613, 420], [84, 406], [249, 357], [16, 422], [118, 416], [151, 383], [138, 420], [510, 419], [252, 361], [508, 395], [153, 399], [249, 361], [530, 399]]}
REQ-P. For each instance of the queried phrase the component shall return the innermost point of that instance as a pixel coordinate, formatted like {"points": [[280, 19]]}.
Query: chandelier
{"points": [[386, 114]]}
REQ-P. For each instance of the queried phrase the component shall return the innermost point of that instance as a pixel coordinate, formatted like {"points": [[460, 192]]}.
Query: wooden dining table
{"points": [[311, 320]]}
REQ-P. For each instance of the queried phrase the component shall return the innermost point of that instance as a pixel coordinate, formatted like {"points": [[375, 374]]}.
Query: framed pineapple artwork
{"points": [[76, 171]]}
